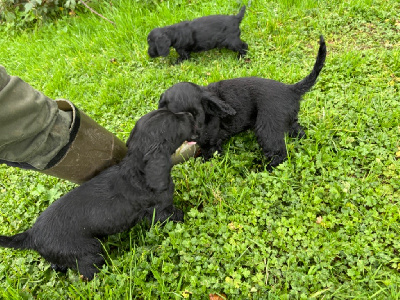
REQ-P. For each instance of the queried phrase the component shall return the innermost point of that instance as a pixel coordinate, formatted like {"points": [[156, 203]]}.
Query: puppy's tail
{"points": [[240, 15], [307, 83], [18, 241]]}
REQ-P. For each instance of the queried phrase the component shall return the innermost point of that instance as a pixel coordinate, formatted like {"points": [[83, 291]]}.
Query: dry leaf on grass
{"points": [[217, 296]]}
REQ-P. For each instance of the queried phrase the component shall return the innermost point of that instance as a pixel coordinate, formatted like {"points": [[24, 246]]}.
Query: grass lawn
{"points": [[324, 224]]}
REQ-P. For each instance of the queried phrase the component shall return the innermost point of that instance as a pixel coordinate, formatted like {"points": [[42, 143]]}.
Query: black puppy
{"points": [[225, 108], [217, 31], [66, 233]]}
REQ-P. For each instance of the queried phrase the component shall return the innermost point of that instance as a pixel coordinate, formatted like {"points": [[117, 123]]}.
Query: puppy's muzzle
{"points": [[195, 134], [152, 52]]}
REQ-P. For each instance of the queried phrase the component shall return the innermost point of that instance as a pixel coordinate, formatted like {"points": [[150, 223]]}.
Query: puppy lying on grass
{"points": [[226, 108], [217, 31], [66, 233]]}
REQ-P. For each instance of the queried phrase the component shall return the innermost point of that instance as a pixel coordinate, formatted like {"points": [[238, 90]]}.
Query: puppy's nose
{"points": [[151, 53]]}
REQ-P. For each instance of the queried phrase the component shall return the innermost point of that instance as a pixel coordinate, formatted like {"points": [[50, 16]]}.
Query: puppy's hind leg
{"points": [[238, 46], [272, 140]]}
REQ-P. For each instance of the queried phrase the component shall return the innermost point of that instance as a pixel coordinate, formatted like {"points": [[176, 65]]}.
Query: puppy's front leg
{"points": [[237, 45], [211, 139], [183, 55]]}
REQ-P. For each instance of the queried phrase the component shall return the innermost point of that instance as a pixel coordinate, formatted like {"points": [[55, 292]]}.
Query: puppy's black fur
{"points": [[66, 233], [217, 31], [225, 108]]}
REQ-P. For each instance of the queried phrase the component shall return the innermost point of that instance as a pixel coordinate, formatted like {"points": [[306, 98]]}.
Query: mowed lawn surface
{"points": [[323, 224]]}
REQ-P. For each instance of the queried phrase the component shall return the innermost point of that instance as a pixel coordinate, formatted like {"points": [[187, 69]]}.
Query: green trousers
{"points": [[32, 128]]}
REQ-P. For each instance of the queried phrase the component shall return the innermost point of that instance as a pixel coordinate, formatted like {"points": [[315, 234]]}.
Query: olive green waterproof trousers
{"points": [[32, 128]]}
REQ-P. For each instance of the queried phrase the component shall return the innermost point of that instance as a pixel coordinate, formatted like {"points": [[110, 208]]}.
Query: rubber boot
{"points": [[92, 148], [184, 152]]}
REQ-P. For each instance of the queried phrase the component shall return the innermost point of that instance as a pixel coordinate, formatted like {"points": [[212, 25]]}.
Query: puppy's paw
{"points": [[85, 279], [177, 62], [301, 135], [177, 215], [297, 134], [58, 268], [275, 161], [87, 273], [207, 154], [171, 213], [181, 59]]}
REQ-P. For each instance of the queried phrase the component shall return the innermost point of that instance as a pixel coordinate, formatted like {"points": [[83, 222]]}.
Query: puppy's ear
{"points": [[162, 44], [162, 102], [215, 106], [130, 138], [157, 171]]}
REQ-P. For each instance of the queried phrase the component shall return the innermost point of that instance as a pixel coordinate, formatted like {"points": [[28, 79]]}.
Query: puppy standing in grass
{"points": [[225, 108], [217, 31], [66, 233]]}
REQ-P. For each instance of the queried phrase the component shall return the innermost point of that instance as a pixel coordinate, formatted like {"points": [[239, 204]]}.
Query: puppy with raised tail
{"points": [[205, 33], [66, 233], [228, 107]]}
